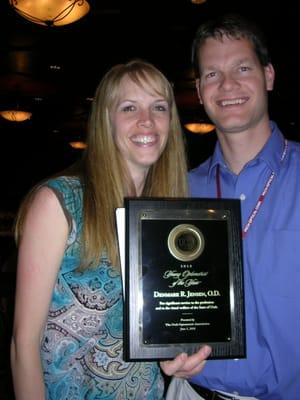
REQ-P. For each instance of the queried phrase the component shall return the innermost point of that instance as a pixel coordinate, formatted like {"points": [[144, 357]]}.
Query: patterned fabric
{"points": [[82, 344]]}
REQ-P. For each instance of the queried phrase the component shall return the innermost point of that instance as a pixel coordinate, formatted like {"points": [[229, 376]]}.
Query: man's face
{"points": [[233, 84]]}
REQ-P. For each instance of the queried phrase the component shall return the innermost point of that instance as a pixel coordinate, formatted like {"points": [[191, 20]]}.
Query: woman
{"points": [[67, 336]]}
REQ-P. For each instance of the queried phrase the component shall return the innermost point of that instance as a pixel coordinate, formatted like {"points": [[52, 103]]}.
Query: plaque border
{"points": [[134, 349]]}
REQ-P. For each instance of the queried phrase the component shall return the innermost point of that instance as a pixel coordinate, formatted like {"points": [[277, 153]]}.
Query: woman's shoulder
{"points": [[64, 183], [68, 190]]}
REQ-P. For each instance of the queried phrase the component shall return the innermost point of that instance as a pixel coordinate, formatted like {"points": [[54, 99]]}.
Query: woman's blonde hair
{"points": [[104, 175]]}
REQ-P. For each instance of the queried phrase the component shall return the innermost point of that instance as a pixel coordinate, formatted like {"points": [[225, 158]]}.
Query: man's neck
{"points": [[239, 148]]}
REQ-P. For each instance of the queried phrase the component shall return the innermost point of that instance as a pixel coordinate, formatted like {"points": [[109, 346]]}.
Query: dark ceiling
{"points": [[54, 72]]}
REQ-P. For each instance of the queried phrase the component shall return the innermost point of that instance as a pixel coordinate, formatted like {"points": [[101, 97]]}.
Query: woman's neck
{"points": [[139, 179]]}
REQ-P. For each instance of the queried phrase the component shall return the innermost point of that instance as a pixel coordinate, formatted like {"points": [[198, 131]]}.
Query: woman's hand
{"points": [[184, 366]]}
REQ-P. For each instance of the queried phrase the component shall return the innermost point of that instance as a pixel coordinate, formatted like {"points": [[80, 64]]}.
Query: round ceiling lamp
{"points": [[198, 1], [199, 127], [51, 12], [15, 115], [78, 145]]}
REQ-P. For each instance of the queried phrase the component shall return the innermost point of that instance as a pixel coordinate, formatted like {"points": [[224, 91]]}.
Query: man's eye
{"points": [[244, 68], [211, 75]]}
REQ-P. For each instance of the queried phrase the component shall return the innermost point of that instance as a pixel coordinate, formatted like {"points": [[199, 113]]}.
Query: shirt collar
{"points": [[271, 153]]}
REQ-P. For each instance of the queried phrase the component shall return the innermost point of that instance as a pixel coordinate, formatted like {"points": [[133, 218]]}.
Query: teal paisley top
{"points": [[82, 344]]}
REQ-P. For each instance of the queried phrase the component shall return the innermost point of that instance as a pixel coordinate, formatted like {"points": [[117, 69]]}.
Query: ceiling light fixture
{"points": [[15, 115], [198, 1], [51, 12], [199, 127], [78, 145]]}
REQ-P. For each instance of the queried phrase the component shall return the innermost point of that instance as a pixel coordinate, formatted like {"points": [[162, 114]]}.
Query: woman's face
{"points": [[140, 122]]}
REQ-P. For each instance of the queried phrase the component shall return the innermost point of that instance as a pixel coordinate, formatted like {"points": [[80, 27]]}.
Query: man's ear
{"points": [[198, 90], [269, 76]]}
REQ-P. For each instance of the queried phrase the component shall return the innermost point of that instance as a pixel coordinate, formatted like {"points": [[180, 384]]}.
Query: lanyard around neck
{"points": [[261, 197]]}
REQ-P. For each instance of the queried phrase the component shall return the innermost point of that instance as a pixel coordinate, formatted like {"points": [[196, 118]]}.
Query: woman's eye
{"points": [[128, 108], [161, 107]]}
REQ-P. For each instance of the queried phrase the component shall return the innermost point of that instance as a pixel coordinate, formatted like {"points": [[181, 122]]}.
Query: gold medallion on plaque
{"points": [[185, 242]]}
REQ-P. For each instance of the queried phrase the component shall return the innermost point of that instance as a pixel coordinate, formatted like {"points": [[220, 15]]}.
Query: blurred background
{"points": [[51, 71]]}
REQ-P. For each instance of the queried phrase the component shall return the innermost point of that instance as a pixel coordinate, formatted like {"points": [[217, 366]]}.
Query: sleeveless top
{"points": [[81, 348]]}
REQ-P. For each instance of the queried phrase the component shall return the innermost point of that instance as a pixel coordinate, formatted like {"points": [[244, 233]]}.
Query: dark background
{"points": [[54, 71]]}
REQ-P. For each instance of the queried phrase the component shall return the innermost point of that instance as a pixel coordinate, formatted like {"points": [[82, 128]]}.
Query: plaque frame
{"points": [[210, 212]]}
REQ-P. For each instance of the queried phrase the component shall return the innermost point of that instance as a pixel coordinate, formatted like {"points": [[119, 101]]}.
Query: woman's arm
{"points": [[41, 250]]}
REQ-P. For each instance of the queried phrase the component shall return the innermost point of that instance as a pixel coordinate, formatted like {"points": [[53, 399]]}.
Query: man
{"points": [[252, 161]]}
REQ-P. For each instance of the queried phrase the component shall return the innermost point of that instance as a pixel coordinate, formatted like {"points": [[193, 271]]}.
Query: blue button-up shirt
{"points": [[271, 249]]}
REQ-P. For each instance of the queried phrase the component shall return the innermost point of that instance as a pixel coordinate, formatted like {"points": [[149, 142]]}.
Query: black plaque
{"points": [[183, 278]]}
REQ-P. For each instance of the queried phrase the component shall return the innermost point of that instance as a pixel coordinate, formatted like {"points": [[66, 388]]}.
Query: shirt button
{"points": [[242, 196]]}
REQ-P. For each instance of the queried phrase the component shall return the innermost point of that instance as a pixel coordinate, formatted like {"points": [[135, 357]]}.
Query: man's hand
{"points": [[184, 366]]}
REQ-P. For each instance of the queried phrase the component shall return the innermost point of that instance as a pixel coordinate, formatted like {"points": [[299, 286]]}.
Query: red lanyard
{"points": [[261, 197]]}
